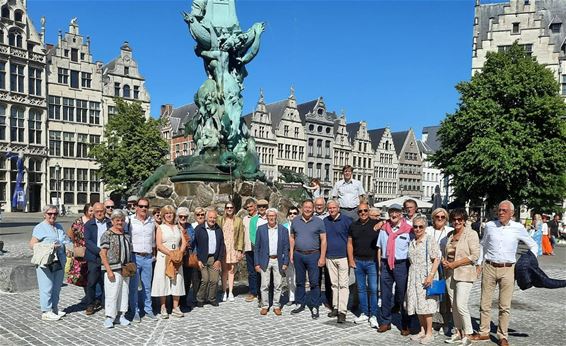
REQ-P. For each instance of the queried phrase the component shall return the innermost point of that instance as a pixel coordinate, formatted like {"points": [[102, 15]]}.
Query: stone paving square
{"points": [[538, 317]]}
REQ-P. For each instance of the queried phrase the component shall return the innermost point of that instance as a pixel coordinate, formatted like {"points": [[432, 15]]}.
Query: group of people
{"points": [[545, 232], [396, 256]]}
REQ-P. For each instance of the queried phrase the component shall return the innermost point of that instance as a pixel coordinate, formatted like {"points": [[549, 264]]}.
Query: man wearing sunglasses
{"points": [[108, 207], [142, 231], [393, 250], [362, 258], [94, 228]]}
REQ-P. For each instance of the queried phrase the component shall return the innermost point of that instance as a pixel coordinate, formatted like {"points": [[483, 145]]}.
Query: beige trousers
{"points": [[491, 278], [459, 294], [340, 278]]}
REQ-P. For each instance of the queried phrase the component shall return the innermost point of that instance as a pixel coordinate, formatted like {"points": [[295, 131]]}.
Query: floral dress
{"points": [[79, 269], [416, 299]]}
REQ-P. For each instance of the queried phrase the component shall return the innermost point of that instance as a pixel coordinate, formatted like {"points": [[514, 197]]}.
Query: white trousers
{"points": [[115, 295]]}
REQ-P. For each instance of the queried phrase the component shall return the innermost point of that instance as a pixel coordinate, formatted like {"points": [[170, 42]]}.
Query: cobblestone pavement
{"points": [[538, 317]]}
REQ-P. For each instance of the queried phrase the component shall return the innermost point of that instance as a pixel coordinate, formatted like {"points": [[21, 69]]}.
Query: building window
{"points": [[296, 132], [17, 124], [515, 28], [286, 130], [86, 79], [74, 54], [2, 74], [94, 181], [301, 153], [117, 89], [54, 108], [126, 70], [309, 169], [5, 11], [34, 82], [82, 111], [94, 140], [136, 92], [55, 143], [111, 111], [2, 125], [69, 184], [564, 84], [280, 150], [94, 113], [319, 148], [66, 53], [74, 79], [68, 109], [68, 144], [82, 180], [15, 39], [319, 170], [17, 78], [82, 145], [555, 27], [62, 75], [528, 49], [126, 91], [34, 133]]}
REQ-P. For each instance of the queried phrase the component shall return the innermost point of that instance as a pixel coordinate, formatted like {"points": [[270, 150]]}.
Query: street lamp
{"points": [[57, 182]]}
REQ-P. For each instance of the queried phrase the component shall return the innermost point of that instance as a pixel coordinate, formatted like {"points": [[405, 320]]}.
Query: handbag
{"points": [[438, 287], [191, 260], [129, 269], [79, 251]]}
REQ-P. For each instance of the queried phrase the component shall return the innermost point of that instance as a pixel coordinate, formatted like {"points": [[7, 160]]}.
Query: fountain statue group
{"points": [[224, 148]]}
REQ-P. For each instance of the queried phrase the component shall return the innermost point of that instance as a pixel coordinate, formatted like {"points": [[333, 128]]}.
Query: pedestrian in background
{"points": [[49, 237], [349, 192]]}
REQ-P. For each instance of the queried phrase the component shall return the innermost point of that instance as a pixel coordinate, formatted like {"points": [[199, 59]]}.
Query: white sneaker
{"points": [[373, 322], [225, 297], [50, 316], [455, 339], [61, 313], [363, 318], [231, 297], [466, 341]]}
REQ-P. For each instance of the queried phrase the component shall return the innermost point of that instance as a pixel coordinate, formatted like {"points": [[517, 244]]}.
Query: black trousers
{"points": [[94, 277], [192, 278]]}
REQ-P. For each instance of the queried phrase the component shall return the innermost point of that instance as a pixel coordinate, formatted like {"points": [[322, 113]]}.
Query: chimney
{"points": [[166, 109]]}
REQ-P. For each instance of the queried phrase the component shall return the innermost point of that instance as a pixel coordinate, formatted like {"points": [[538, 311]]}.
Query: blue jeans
{"points": [[366, 271], [144, 271], [304, 263], [49, 287], [254, 278], [397, 275]]}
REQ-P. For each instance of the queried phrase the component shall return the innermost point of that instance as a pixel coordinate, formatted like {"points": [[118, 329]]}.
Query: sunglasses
{"points": [[182, 216], [143, 206], [293, 213], [440, 217], [419, 227], [52, 214], [229, 208], [457, 219], [262, 206], [200, 214], [109, 207], [363, 211]]}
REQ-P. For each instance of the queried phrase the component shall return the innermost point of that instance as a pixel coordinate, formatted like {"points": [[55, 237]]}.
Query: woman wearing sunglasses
{"points": [[233, 230], [459, 258], [439, 232], [49, 234], [425, 258]]}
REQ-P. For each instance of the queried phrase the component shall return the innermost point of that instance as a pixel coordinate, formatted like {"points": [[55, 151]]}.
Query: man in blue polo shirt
{"points": [[308, 253], [337, 226], [393, 248]]}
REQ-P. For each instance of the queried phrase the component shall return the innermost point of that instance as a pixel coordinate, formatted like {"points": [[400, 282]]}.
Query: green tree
{"points": [[132, 148], [507, 139]]}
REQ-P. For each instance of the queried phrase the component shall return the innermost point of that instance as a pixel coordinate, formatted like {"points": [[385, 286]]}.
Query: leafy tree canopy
{"points": [[507, 139], [132, 148]]}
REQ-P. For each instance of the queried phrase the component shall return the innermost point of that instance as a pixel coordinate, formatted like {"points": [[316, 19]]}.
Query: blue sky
{"points": [[390, 63]]}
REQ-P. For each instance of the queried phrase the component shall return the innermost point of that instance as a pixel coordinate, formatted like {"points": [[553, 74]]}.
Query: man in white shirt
{"points": [[142, 231], [349, 192], [498, 251]]}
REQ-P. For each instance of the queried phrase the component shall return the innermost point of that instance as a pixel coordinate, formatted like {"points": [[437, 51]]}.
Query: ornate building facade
{"points": [[539, 26], [410, 163], [23, 107], [386, 166], [363, 155]]}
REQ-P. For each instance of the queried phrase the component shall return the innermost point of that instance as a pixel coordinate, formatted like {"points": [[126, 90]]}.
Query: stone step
{"points": [[17, 275]]}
